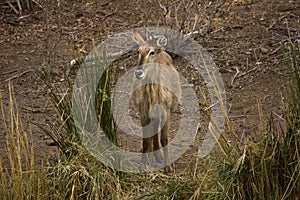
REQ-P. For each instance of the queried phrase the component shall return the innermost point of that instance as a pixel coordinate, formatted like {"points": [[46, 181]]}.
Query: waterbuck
{"points": [[156, 94]]}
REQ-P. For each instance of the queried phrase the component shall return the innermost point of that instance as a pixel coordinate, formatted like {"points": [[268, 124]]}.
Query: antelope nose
{"points": [[139, 74]]}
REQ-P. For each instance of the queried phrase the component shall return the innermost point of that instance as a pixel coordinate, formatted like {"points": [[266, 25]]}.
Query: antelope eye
{"points": [[151, 53]]}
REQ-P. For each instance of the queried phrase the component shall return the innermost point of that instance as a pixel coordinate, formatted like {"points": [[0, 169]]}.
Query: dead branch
{"points": [[239, 75], [19, 6], [247, 72], [18, 75], [235, 76], [13, 8], [8, 72]]}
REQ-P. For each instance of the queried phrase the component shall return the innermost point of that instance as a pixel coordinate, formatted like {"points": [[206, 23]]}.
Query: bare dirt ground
{"points": [[247, 39]]}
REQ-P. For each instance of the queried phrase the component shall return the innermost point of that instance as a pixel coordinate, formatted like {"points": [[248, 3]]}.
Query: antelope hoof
{"points": [[158, 157], [168, 169]]}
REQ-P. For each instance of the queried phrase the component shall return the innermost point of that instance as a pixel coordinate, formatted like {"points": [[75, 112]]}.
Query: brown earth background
{"points": [[248, 40]]}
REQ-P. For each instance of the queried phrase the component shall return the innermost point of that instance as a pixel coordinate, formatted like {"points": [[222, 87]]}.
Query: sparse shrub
{"points": [[268, 168], [20, 177]]}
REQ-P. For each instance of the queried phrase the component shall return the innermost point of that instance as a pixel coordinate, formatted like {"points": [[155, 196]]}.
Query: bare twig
{"points": [[164, 8], [34, 110], [29, 4], [37, 3], [18, 75], [247, 72], [211, 106], [239, 75], [196, 21], [19, 6], [13, 8], [212, 16], [166, 12], [8, 72], [277, 49], [235, 75], [176, 14]]}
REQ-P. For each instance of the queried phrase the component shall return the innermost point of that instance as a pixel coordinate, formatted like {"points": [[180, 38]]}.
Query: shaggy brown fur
{"points": [[156, 93]]}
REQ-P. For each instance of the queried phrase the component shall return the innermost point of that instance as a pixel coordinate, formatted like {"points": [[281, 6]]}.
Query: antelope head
{"points": [[147, 57]]}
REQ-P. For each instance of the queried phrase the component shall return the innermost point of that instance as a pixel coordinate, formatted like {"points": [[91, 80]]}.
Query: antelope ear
{"points": [[138, 38]]}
